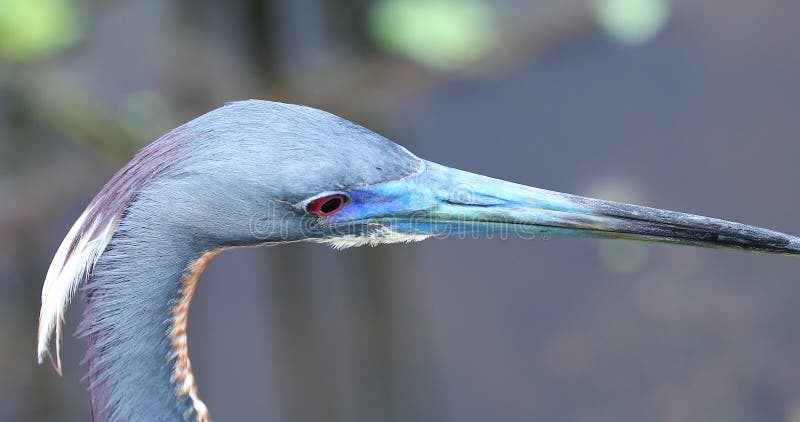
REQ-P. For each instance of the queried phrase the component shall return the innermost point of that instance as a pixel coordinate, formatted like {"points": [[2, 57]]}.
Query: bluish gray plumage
{"points": [[251, 173], [222, 180]]}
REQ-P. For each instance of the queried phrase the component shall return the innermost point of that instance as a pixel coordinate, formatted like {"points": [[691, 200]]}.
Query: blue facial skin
{"points": [[443, 201]]}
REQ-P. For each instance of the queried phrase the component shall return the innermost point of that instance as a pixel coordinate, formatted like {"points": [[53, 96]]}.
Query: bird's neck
{"points": [[135, 321]]}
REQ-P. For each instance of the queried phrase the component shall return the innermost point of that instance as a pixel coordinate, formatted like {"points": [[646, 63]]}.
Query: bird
{"points": [[255, 173]]}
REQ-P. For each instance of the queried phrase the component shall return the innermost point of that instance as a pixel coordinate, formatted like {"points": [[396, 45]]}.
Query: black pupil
{"points": [[331, 205]]}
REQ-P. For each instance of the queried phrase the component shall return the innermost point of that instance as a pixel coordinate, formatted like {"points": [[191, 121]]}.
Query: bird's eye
{"points": [[327, 205]]}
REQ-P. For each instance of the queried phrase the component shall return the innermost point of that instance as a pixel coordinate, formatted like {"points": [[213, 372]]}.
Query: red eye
{"points": [[327, 205]]}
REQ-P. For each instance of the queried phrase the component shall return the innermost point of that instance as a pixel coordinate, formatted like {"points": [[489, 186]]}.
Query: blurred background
{"points": [[691, 105]]}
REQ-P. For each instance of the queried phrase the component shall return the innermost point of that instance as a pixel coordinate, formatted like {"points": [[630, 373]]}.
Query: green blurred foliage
{"points": [[632, 22], [441, 34], [35, 28], [145, 115]]}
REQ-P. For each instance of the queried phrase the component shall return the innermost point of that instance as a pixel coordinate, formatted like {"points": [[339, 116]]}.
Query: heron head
{"points": [[263, 172]]}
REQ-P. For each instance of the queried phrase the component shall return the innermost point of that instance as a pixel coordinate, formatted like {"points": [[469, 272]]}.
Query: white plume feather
{"points": [[66, 272]]}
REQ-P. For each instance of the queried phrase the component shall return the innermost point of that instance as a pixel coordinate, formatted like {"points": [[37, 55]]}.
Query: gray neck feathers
{"points": [[133, 292]]}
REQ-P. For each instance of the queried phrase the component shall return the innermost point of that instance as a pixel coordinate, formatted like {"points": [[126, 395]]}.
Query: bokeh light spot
{"points": [[632, 22], [34, 28], [620, 256], [442, 34]]}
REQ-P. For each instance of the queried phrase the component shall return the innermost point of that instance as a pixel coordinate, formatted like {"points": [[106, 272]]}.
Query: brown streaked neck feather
{"points": [[183, 375]]}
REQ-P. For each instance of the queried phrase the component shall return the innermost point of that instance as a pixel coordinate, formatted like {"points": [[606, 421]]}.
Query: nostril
{"points": [[470, 203]]}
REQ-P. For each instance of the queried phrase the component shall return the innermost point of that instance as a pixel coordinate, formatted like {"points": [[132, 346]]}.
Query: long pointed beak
{"points": [[445, 201]]}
